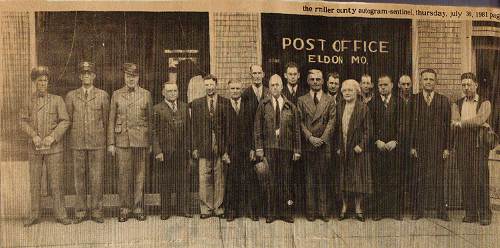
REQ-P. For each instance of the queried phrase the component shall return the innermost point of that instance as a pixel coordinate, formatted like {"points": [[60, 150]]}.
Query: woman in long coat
{"points": [[354, 128]]}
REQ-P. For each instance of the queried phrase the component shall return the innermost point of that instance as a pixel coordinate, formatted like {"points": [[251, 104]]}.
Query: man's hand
{"points": [[380, 145], [391, 145], [37, 141], [295, 157], [252, 155], [316, 142], [47, 141], [413, 153], [446, 154], [225, 158], [195, 154], [456, 124], [159, 157], [358, 149], [259, 153], [111, 149], [338, 152], [150, 149]]}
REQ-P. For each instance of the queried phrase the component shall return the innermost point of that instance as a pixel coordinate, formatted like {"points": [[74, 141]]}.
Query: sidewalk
{"points": [[182, 232]]}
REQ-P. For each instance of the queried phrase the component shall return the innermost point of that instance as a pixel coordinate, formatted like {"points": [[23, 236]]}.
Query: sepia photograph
{"points": [[249, 124]]}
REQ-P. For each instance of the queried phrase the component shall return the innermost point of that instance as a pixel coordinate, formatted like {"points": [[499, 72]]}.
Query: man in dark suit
{"points": [[317, 112], [293, 90], [88, 109], [251, 97], [405, 116], [45, 120], [333, 86], [237, 134], [430, 147], [209, 147], [277, 137], [129, 137], [385, 169], [171, 145]]}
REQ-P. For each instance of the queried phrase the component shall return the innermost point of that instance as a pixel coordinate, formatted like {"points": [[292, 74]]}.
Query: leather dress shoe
{"points": [[288, 219], [360, 217], [342, 216], [310, 218], [485, 222], [122, 218], [469, 219], [377, 218], [443, 216], [221, 216], [270, 219], [255, 218], [416, 217], [31, 221], [230, 217], [325, 218], [205, 216], [99, 219], [398, 217], [188, 215], [64, 221], [164, 216], [140, 217]]}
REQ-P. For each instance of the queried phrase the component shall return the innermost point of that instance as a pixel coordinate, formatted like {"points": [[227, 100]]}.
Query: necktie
{"points": [[428, 99], [277, 115], [86, 94], [211, 107], [293, 92], [316, 101], [237, 106], [386, 101], [174, 106]]}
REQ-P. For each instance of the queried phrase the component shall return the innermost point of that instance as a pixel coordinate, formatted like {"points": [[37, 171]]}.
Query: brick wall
{"points": [[235, 45], [442, 45]]}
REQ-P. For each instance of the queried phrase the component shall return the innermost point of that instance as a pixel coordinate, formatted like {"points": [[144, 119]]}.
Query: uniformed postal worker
{"points": [[45, 119], [129, 138], [88, 109]]}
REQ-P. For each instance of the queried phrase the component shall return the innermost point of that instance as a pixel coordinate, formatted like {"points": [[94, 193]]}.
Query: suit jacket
{"points": [[431, 125], [317, 121], [385, 120], [248, 96], [89, 118], [202, 126], [171, 131], [264, 131], [405, 124], [294, 99], [46, 116], [238, 130], [130, 118]]}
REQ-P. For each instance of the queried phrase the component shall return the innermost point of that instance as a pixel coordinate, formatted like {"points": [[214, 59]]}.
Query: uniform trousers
{"points": [[131, 176], [88, 173]]}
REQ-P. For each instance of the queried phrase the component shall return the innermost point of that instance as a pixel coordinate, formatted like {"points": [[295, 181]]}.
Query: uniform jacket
{"points": [[171, 130], [89, 118], [317, 121], [264, 130], [130, 118], [45, 116], [248, 96], [202, 126]]}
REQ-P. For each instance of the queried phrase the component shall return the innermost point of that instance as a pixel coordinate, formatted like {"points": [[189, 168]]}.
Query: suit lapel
{"points": [[320, 107]]}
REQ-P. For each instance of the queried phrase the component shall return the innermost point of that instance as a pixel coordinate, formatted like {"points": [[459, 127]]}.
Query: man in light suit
{"points": [[88, 109], [251, 97], [171, 146], [209, 147], [129, 137], [317, 111], [277, 137], [45, 120]]}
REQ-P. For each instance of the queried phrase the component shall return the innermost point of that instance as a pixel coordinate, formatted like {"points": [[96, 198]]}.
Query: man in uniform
{"points": [[88, 109], [209, 147], [129, 137], [171, 146], [317, 111], [45, 120], [277, 137]]}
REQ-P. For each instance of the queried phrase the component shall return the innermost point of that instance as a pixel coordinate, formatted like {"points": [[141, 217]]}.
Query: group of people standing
{"points": [[321, 150]]}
